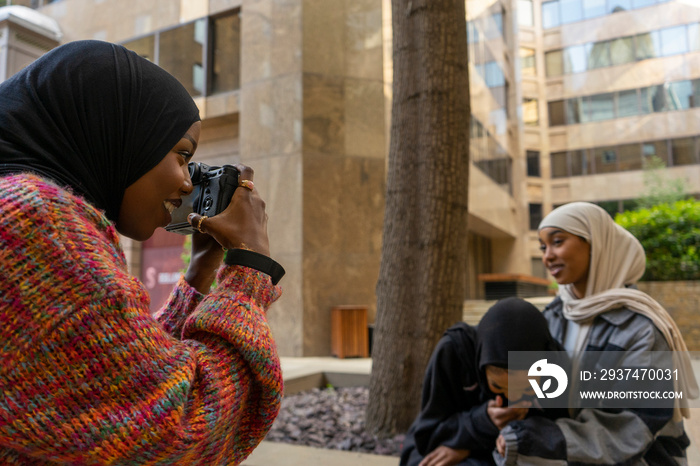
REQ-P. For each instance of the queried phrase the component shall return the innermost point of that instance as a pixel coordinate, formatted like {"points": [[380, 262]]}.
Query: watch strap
{"points": [[255, 261]]}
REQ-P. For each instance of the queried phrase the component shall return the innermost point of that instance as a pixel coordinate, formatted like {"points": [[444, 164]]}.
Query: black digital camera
{"points": [[212, 192]]}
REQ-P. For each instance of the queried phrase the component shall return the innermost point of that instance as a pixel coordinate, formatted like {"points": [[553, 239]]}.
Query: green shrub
{"points": [[670, 234]]}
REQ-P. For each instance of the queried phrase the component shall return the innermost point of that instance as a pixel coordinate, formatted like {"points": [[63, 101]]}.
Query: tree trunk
{"points": [[422, 279]]}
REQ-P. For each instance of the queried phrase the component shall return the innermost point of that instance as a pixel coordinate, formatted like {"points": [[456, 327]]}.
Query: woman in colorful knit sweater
{"points": [[95, 140]]}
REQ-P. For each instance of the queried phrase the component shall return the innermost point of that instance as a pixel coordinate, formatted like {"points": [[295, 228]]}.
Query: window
{"points": [[550, 15], [559, 165], [694, 37], [579, 162], [621, 51], [659, 98], [673, 41], [527, 61], [683, 151], [144, 47], [556, 113], [575, 59], [554, 63], [615, 6], [605, 160], [593, 8], [655, 149], [598, 55], [647, 45], [630, 157], [181, 54], [627, 103], [493, 75], [642, 3], [575, 112], [531, 115], [525, 13], [226, 67], [696, 93], [533, 163], [602, 107], [472, 33], [570, 11], [535, 216], [680, 95]]}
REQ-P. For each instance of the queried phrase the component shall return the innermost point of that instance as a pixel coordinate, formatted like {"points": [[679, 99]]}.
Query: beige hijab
{"points": [[617, 260]]}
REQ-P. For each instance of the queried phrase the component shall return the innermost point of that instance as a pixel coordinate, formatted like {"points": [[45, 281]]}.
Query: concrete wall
{"points": [[680, 299]]}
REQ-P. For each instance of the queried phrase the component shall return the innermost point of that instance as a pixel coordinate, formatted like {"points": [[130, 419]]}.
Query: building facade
{"points": [[301, 91]]}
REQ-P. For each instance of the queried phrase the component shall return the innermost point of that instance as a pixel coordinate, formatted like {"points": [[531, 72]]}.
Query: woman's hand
{"points": [[444, 456], [243, 224], [501, 445], [501, 415]]}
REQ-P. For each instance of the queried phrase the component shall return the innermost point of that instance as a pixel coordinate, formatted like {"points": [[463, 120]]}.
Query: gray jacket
{"points": [[601, 436]]}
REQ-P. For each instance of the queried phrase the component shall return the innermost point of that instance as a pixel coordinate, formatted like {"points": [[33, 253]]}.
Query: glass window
{"points": [[527, 61], [559, 168], [570, 11], [611, 207], [554, 63], [656, 149], [673, 41], [556, 113], [550, 14], [642, 3], [472, 33], [531, 114], [579, 162], [226, 69], [598, 55], [605, 160], [621, 51], [493, 75], [575, 112], [181, 54], [644, 101], [647, 45], [575, 58], [535, 216], [602, 107], [525, 13], [659, 98], [683, 151], [630, 157], [680, 95], [694, 37], [144, 47], [696, 93], [615, 6], [627, 103], [533, 163], [593, 8]]}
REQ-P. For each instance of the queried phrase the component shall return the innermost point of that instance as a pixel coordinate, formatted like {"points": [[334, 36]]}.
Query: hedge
{"points": [[670, 234]]}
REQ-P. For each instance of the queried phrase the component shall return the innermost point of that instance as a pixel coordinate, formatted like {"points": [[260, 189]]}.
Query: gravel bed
{"points": [[332, 418]]}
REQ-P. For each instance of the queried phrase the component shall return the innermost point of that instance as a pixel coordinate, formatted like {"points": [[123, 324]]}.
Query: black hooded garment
{"points": [[455, 391], [92, 116]]}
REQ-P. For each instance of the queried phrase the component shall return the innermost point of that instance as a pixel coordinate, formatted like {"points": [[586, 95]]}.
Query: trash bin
{"points": [[349, 332]]}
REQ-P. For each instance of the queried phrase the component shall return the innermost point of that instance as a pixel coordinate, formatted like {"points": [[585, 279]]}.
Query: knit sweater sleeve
{"points": [[90, 377]]}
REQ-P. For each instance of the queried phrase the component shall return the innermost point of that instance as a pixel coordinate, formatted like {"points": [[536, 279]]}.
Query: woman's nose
{"points": [[187, 186]]}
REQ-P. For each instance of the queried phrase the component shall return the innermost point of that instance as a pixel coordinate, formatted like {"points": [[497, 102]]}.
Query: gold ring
{"points": [[199, 223], [248, 184]]}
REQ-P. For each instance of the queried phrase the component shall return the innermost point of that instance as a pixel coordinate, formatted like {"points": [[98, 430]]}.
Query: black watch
{"points": [[255, 261]]}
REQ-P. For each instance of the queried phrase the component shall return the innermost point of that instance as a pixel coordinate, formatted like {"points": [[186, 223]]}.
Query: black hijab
{"points": [[512, 324], [92, 116]]}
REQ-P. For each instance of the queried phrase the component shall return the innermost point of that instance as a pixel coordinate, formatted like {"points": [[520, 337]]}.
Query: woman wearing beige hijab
{"points": [[597, 264]]}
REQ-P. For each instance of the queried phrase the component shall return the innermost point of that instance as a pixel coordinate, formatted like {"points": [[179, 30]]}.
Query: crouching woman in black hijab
{"points": [[95, 140], [467, 384]]}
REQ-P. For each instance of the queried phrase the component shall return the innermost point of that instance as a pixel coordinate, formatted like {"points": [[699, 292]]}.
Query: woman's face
{"points": [[148, 202], [567, 257], [514, 385]]}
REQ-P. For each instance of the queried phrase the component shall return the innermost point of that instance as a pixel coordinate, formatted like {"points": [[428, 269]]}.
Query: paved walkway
{"points": [[280, 454]]}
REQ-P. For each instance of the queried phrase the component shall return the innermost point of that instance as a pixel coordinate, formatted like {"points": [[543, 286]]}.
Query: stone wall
{"points": [[681, 300]]}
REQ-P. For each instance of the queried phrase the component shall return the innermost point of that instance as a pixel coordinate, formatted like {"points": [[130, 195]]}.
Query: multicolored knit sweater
{"points": [[88, 376]]}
